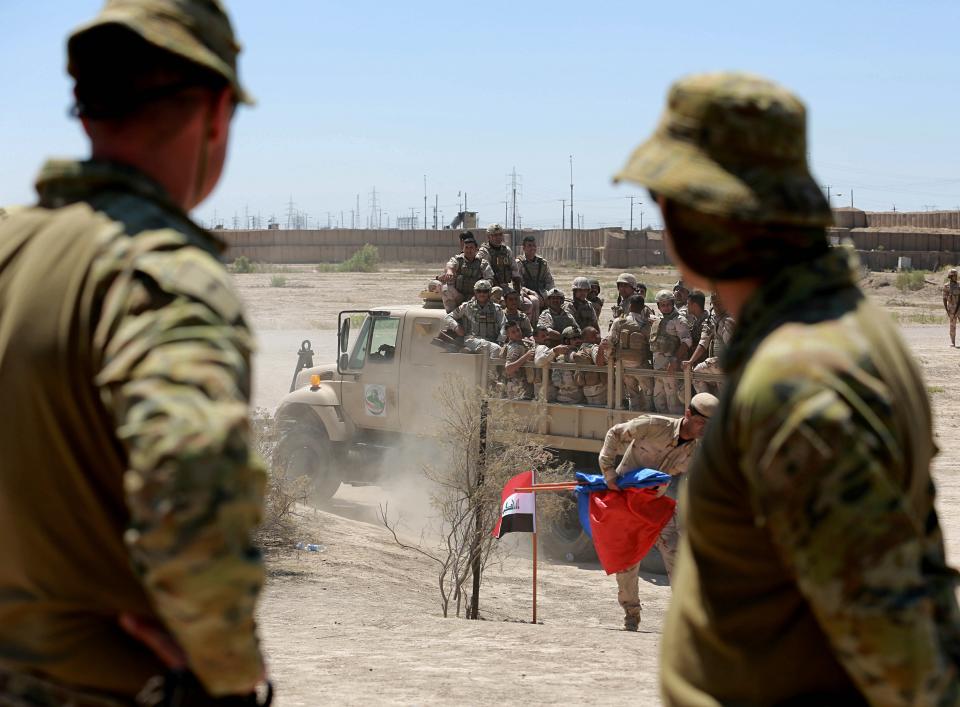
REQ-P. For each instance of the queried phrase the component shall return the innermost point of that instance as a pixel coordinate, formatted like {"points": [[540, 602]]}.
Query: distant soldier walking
{"points": [[811, 569], [128, 488], [951, 303]]}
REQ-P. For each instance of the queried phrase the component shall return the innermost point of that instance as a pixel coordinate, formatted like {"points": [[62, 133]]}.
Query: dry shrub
{"points": [[283, 494]]}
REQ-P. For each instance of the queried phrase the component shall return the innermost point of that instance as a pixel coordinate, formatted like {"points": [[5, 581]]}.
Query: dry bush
{"points": [[468, 485], [283, 494]]}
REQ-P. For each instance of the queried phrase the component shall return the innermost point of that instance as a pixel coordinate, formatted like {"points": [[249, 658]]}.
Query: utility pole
{"points": [[563, 214], [851, 198], [424, 202], [631, 198], [571, 192], [358, 211], [513, 189], [436, 205], [828, 187]]}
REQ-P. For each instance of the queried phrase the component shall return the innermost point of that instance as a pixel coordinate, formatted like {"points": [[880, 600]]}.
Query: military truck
{"points": [[342, 420]]}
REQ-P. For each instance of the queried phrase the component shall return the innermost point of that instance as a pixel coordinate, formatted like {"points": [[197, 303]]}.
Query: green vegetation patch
{"points": [[367, 259]]}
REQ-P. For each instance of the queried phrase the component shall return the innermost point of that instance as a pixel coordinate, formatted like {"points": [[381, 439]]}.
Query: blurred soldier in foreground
{"points": [[670, 343], [128, 490], [579, 307], [653, 442], [951, 303], [630, 342], [811, 568], [463, 271], [479, 321], [536, 279]]}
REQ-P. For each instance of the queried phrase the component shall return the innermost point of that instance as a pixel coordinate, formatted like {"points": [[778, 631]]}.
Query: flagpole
{"points": [[533, 481]]}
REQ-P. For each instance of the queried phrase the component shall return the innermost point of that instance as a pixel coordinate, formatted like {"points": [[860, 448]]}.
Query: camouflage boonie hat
{"points": [[555, 293], [196, 30], [627, 279], [732, 145], [571, 332]]}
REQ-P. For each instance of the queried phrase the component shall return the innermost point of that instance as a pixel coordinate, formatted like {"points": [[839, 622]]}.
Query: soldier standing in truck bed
{"points": [[595, 299], [579, 307], [555, 317], [626, 287], [629, 339], [715, 337], [535, 278], [670, 342], [512, 313], [592, 352]]}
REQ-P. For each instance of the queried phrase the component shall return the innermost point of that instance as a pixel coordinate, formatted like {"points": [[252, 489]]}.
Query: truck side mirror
{"points": [[344, 334], [344, 360]]}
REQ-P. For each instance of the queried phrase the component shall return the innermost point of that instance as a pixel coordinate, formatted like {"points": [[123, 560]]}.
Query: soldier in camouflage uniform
{"points": [[695, 314], [556, 318], [595, 299], [512, 313], [543, 355], [565, 382], [680, 294], [479, 321], [506, 271], [951, 303], [592, 352], [536, 279], [715, 337], [629, 339], [462, 273], [626, 288], [812, 488], [670, 343], [517, 381], [579, 307], [128, 487]]}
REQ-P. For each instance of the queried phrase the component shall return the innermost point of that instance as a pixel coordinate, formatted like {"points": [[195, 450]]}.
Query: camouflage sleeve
{"points": [[683, 331], [175, 374], [525, 327], [820, 483], [452, 264], [548, 283], [615, 444], [545, 319], [707, 333]]}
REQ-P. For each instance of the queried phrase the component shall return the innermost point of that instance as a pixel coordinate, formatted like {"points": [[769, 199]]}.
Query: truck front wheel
{"points": [[306, 451]]}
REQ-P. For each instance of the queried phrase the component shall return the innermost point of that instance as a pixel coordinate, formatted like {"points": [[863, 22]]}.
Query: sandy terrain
{"points": [[360, 622]]}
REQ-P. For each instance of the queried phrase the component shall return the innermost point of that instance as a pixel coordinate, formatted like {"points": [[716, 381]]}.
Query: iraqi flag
{"points": [[517, 510]]}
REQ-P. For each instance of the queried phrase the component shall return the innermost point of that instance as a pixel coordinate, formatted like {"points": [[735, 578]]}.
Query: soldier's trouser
{"points": [[628, 591], [711, 365], [451, 296], [595, 394], [665, 390], [530, 305], [639, 390], [518, 388], [667, 543], [475, 344], [953, 329]]}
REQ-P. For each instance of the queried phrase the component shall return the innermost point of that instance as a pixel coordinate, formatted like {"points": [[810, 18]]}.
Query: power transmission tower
{"points": [[514, 188], [374, 210], [424, 202], [291, 213]]}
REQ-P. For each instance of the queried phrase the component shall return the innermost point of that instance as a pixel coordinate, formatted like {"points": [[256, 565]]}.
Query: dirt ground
{"points": [[360, 622]]}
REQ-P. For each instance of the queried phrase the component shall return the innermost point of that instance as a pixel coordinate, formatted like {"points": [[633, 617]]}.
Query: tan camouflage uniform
{"points": [[519, 384], [630, 340], [466, 274], [536, 277], [521, 319], [666, 336], [715, 338], [481, 326], [647, 442], [817, 460], [951, 303], [502, 263], [558, 321], [593, 383], [129, 369], [582, 312]]}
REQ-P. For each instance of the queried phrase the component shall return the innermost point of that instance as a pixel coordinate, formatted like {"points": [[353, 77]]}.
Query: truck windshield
{"points": [[383, 341], [359, 355]]}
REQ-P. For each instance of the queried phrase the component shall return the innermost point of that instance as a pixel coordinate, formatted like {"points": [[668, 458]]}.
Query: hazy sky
{"points": [[357, 95]]}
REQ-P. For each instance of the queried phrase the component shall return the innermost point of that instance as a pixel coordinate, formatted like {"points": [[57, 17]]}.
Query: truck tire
{"points": [[306, 450]]}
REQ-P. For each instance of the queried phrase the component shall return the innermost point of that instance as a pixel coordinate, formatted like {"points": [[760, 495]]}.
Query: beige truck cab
{"points": [[342, 420]]}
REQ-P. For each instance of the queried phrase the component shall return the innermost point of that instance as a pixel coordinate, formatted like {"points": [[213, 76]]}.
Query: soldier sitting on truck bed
{"points": [[555, 317], [512, 313], [595, 299], [506, 270], [535, 278], [569, 390], [714, 338], [592, 352], [517, 381], [695, 314], [580, 308], [478, 321], [462, 273], [543, 355]]}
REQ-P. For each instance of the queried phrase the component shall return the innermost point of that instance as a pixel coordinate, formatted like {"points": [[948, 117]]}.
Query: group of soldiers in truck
{"points": [[511, 310]]}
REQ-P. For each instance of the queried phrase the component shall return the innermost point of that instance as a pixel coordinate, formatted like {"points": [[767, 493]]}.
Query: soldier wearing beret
{"points": [[811, 568]]}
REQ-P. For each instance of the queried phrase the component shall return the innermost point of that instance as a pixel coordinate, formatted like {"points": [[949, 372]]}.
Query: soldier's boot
{"points": [[631, 621]]}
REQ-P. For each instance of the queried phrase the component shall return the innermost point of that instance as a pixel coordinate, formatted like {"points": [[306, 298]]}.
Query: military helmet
{"points": [[581, 283], [199, 32], [482, 286], [732, 145], [952, 272], [510, 292], [494, 228], [593, 281], [627, 279], [571, 332], [555, 293], [665, 296], [680, 286]]}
